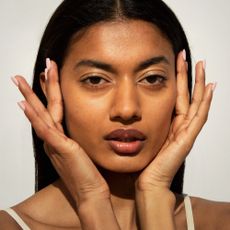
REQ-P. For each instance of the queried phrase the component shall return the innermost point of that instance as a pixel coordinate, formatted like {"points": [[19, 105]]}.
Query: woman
{"points": [[115, 77]]}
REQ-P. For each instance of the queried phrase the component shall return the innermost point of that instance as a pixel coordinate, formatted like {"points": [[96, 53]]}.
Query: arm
{"points": [[97, 214], [156, 209], [153, 185], [86, 185]]}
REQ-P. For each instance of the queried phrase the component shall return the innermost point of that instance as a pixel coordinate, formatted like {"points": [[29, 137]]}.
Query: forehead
{"points": [[121, 39]]}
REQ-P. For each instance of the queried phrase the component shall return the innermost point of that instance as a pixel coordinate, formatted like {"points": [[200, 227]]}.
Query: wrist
{"points": [[97, 214], [157, 197], [156, 209]]}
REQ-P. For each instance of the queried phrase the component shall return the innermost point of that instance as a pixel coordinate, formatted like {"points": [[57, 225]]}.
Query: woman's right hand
{"points": [[75, 168]]}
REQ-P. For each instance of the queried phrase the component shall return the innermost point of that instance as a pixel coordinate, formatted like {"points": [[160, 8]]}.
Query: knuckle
{"points": [[184, 141], [195, 100], [55, 102], [29, 93], [44, 132]]}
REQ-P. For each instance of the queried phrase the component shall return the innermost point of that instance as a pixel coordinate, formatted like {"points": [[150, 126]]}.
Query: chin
{"points": [[124, 165]]}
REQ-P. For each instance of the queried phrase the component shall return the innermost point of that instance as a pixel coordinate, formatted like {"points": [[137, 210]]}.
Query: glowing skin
{"points": [[121, 96]]}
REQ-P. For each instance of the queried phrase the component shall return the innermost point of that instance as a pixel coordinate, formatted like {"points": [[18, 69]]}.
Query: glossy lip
{"points": [[126, 141]]}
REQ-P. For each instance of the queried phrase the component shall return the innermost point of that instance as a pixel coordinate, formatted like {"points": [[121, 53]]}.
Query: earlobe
{"points": [[42, 80]]}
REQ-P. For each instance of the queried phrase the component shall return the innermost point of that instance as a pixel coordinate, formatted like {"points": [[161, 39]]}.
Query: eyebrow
{"points": [[109, 68]]}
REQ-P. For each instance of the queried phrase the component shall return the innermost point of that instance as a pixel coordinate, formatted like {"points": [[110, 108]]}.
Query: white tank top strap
{"points": [[189, 213], [17, 218]]}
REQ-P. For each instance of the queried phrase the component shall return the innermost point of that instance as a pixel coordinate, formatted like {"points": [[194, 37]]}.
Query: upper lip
{"points": [[125, 135]]}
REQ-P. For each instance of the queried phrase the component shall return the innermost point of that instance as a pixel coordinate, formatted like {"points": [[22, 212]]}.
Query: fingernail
{"points": [[204, 64], [46, 74], [184, 54], [48, 63], [15, 81], [21, 105], [214, 86]]}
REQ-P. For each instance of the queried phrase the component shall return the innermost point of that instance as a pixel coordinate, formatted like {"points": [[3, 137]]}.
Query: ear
{"points": [[42, 80]]}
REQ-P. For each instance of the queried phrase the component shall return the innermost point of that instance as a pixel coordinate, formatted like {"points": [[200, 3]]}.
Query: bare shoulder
{"points": [[48, 209], [211, 214], [6, 222]]}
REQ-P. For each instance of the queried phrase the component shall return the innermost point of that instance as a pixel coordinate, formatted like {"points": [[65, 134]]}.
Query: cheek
{"points": [[164, 120], [160, 118], [167, 108], [82, 117]]}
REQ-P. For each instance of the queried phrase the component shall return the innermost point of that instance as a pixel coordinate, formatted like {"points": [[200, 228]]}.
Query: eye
{"points": [[153, 80], [94, 81]]}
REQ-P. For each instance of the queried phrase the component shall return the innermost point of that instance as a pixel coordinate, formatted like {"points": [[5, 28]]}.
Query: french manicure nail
{"points": [[214, 86], [46, 74], [15, 81], [184, 54], [21, 105], [204, 64], [48, 63]]}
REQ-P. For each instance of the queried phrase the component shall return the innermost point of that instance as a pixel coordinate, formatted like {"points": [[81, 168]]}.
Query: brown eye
{"points": [[154, 80], [94, 80]]}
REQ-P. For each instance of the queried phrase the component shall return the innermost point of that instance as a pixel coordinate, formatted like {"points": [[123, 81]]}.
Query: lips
{"points": [[126, 141]]}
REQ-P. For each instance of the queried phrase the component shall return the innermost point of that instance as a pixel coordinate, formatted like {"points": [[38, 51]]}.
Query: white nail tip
{"points": [[21, 105], [204, 64], [214, 86], [15, 81], [48, 63], [46, 74], [184, 54]]}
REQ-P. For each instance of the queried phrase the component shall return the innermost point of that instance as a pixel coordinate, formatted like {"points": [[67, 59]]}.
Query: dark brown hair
{"points": [[73, 16]]}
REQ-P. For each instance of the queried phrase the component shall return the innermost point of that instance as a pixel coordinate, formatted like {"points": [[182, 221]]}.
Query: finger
{"points": [[70, 161], [54, 97], [50, 134], [199, 89], [177, 150], [33, 100], [182, 102], [201, 115]]}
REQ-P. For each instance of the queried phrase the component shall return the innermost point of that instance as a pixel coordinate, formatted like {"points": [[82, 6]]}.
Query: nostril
{"points": [[125, 106], [126, 120]]}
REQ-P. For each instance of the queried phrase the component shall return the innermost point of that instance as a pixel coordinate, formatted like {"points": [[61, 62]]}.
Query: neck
{"points": [[122, 189], [122, 185]]}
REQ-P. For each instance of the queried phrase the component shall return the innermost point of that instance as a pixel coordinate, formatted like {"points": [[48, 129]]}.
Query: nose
{"points": [[126, 104]]}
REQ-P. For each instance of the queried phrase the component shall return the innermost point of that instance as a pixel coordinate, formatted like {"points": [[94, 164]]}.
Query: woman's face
{"points": [[119, 89]]}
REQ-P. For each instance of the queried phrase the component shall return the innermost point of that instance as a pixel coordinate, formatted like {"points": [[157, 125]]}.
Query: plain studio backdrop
{"points": [[206, 24]]}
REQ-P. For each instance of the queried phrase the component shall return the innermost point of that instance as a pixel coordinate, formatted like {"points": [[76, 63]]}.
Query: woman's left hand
{"points": [[188, 121], [155, 201]]}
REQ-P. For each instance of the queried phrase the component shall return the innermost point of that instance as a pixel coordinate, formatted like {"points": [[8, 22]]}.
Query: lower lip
{"points": [[126, 148]]}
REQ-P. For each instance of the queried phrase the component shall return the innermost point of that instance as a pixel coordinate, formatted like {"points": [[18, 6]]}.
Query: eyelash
{"points": [[158, 81], [98, 84]]}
